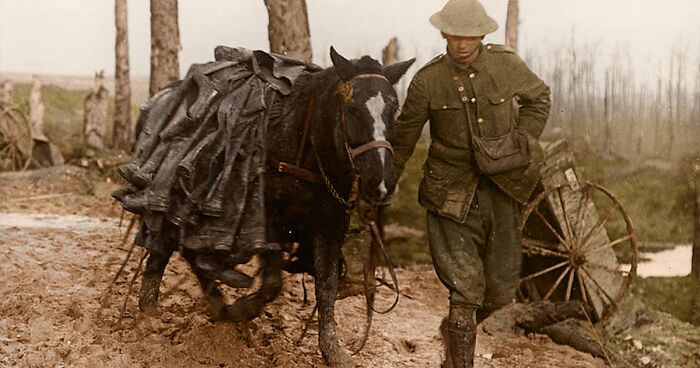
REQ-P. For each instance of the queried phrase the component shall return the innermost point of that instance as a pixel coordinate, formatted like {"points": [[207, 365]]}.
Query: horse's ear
{"points": [[394, 72], [343, 66]]}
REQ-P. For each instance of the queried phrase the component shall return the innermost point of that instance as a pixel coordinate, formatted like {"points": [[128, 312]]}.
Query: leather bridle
{"points": [[344, 91]]}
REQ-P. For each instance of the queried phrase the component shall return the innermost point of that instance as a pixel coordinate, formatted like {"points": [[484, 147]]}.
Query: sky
{"points": [[76, 37]]}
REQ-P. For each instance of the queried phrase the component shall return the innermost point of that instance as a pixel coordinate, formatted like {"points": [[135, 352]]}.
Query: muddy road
{"points": [[60, 248]]}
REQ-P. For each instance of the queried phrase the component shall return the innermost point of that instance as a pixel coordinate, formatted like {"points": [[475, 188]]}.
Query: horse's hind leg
{"points": [[150, 282], [248, 307], [212, 294]]}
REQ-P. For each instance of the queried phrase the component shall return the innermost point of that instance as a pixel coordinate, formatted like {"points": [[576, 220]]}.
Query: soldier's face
{"points": [[463, 49]]}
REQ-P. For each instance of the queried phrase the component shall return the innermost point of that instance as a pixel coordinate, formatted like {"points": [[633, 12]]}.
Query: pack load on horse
{"points": [[250, 153]]}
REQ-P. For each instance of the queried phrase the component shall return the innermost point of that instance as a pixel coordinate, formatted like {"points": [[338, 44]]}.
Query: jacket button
{"points": [[489, 46], [465, 99], [472, 76], [503, 100], [455, 77], [460, 88], [480, 120], [444, 107], [473, 99]]}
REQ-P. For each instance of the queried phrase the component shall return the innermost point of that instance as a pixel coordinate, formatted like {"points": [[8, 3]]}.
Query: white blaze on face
{"points": [[375, 106]]}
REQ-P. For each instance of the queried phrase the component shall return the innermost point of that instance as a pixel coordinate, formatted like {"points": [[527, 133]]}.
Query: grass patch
{"points": [[63, 116], [659, 202], [678, 296], [405, 211]]}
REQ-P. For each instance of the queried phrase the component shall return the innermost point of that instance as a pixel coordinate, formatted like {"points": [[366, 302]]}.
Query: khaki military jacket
{"points": [[491, 82]]}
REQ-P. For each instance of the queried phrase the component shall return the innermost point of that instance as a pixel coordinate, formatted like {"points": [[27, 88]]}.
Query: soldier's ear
{"points": [[344, 68], [394, 72]]}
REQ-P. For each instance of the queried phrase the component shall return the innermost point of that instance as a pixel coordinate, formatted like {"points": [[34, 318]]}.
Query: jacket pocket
{"points": [[433, 187], [499, 114], [443, 190], [445, 110], [448, 123]]}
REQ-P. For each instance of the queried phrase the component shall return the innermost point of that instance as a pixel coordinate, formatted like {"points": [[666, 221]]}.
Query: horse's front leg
{"points": [[150, 282], [326, 257]]}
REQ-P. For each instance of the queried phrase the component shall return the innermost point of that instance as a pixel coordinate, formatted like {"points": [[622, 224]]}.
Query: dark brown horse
{"points": [[326, 145]]}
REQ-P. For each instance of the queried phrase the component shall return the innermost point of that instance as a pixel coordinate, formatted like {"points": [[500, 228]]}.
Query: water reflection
{"points": [[668, 263]]}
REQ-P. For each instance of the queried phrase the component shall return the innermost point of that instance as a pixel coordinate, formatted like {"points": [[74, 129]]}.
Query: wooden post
{"points": [[390, 53], [95, 114], [288, 28]]}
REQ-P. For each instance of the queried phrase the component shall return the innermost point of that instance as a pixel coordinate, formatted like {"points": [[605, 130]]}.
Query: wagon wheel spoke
{"points": [[568, 234], [600, 225], [12, 156], [546, 270], [608, 268], [5, 150], [588, 193], [597, 285], [569, 285], [556, 283], [541, 248], [611, 244], [582, 287], [552, 229]]}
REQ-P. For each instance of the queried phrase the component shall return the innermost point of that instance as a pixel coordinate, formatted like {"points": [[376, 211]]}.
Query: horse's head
{"points": [[368, 106]]}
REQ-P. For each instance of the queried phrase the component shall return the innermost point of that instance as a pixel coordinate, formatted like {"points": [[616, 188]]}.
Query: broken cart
{"points": [[578, 241]]}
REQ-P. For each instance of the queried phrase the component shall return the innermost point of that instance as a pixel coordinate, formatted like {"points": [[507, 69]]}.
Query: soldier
{"points": [[472, 217]]}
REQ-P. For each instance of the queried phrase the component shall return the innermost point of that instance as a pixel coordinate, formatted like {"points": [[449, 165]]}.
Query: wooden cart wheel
{"points": [[15, 139], [568, 253]]}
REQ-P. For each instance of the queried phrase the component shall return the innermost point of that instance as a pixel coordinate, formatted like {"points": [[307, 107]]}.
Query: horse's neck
{"points": [[286, 133]]}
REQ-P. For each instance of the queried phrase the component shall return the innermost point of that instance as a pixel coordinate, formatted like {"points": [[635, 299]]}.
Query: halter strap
{"points": [[370, 75], [354, 152]]}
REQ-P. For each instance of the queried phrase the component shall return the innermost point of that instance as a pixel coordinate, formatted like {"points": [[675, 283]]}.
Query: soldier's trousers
{"points": [[479, 260]]}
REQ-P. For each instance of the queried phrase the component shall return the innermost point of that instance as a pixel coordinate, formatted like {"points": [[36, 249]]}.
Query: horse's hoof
{"points": [[148, 308], [339, 359], [148, 303], [239, 312], [216, 308]]}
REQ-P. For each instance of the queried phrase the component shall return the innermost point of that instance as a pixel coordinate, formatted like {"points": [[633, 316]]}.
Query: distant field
{"points": [[139, 85]]}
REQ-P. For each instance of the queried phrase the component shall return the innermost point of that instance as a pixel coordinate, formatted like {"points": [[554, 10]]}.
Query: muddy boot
{"points": [[460, 341]]}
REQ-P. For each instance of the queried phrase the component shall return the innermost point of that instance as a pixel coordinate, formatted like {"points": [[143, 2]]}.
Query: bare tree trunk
{"points": [[607, 114], [390, 53], [36, 111], [6, 93], [165, 44], [512, 20], [671, 123], [43, 152], [695, 263], [121, 138], [95, 115], [657, 117], [288, 28]]}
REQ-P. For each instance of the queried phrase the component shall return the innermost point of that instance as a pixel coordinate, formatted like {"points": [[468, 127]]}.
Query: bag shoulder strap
{"points": [[459, 84]]}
